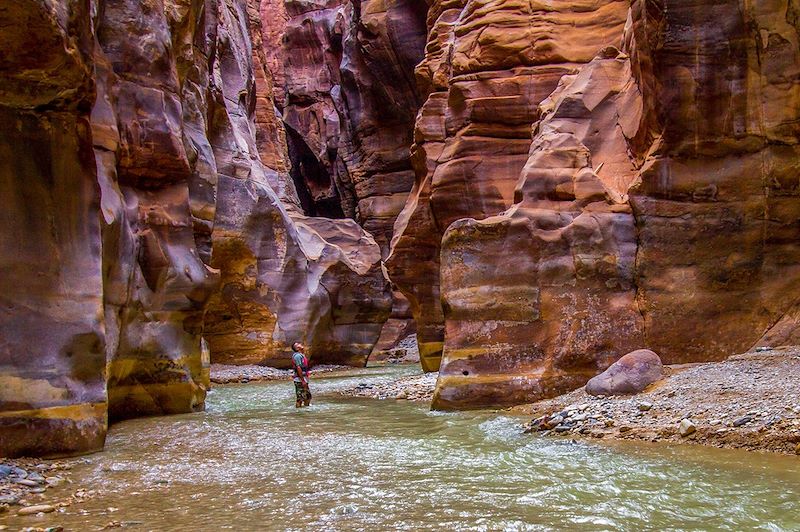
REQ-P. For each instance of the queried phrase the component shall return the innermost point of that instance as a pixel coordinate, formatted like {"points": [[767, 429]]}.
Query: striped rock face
{"points": [[488, 65], [658, 205]]}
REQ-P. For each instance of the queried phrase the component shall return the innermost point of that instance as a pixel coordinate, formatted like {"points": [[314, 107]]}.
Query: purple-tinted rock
{"points": [[630, 374]]}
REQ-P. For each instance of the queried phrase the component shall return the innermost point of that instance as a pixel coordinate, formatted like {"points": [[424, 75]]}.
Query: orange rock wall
{"points": [[652, 200]]}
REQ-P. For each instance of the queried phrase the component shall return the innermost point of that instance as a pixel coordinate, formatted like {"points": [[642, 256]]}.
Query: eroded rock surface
{"points": [[52, 338], [655, 203], [487, 66], [148, 202]]}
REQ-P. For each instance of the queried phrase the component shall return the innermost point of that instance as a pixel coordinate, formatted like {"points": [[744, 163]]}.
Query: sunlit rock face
{"points": [[487, 66], [52, 359], [655, 204]]}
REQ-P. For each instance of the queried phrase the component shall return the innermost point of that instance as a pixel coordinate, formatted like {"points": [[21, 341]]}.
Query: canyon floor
{"points": [[750, 401]]}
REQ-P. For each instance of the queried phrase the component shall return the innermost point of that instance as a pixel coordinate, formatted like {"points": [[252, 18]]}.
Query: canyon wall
{"points": [[148, 204], [595, 177], [346, 91]]}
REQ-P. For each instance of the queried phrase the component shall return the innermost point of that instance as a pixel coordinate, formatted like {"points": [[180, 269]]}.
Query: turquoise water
{"points": [[254, 462]]}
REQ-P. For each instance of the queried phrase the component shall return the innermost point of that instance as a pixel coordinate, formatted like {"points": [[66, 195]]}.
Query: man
{"points": [[300, 367]]}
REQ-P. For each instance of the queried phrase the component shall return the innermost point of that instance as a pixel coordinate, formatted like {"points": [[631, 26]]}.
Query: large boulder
{"points": [[630, 374]]}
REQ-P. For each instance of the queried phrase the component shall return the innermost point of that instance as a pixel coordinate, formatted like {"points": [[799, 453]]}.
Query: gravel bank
{"points": [[750, 401], [25, 485], [227, 374], [413, 388]]}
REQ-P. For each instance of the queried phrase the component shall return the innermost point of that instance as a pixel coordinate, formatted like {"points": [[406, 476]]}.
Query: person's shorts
{"points": [[301, 392]]}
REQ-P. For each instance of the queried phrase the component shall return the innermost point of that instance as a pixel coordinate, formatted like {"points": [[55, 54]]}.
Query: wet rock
{"points": [[644, 406], [9, 499], [36, 509], [742, 421], [630, 374], [686, 428], [797, 449]]}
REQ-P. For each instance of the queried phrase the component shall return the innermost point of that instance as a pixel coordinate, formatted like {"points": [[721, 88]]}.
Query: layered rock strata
{"points": [[487, 66], [655, 205], [346, 90]]}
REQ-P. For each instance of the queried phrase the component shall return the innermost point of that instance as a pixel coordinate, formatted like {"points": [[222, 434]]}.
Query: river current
{"points": [[251, 461]]}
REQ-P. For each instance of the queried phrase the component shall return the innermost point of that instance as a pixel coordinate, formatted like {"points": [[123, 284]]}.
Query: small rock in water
{"points": [[36, 509], [36, 477], [26, 482], [687, 427], [742, 421], [562, 428], [9, 499], [644, 406]]}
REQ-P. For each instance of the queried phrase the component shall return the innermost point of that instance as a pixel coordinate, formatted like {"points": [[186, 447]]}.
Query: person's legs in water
{"points": [[307, 398], [299, 393]]}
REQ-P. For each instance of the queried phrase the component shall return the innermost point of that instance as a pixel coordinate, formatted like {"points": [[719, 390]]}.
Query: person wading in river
{"points": [[300, 367]]}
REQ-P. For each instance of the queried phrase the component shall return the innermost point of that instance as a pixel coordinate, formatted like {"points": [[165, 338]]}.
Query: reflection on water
{"points": [[254, 462]]}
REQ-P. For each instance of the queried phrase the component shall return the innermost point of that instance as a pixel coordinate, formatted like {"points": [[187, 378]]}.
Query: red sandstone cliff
{"points": [[148, 205], [656, 206]]}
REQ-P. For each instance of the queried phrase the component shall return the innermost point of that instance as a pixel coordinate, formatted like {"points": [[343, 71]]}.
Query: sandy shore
{"points": [[227, 374], [750, 401]]}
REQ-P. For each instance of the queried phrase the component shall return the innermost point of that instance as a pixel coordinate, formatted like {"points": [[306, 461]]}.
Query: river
{"points": [[251, 461]]}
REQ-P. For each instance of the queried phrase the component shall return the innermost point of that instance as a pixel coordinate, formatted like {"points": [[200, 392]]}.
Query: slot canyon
{"points": [[531, 190]]}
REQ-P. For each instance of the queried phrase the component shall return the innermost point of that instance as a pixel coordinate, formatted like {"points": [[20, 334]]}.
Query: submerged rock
{"points": [[630, 374]]}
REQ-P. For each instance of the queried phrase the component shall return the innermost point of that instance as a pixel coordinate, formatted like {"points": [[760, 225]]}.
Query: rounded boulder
{"points": [[629, 375]]}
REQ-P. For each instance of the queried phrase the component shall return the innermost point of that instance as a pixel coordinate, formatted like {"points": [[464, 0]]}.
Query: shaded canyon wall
{"points": [[148, 204]]}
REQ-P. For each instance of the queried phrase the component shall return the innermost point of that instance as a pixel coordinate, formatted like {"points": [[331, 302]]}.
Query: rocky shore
{"points": [[230, 374], [750, 401], [417, 388], [25, 485]]}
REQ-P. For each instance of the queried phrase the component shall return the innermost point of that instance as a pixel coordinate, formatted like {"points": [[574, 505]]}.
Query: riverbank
{"points": [[417, 388], [749, 401], [26, 487], [229, 374]]}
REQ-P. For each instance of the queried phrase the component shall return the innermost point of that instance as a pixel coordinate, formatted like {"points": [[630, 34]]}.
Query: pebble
{"points": [[687, 427], [742, 421], [26, 482], [644, 406], [36, 509]]}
